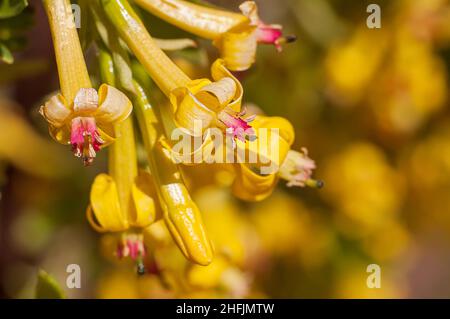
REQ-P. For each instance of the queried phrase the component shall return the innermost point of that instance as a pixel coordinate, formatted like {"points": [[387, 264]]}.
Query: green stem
{"points": [[131, 29], [122, 153]]}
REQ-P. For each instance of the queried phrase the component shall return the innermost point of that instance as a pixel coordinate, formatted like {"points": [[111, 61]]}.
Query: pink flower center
{"points": [[298, 168], [132, 246], [85, 139], [237, 126], [272, 34]]}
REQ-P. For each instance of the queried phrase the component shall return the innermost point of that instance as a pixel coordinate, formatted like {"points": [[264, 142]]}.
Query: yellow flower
{"points": [[235, 35], [180, 213], [74, 114], [123, 201], [86, 124], [105, 213], [213, 104], [274, 159]]}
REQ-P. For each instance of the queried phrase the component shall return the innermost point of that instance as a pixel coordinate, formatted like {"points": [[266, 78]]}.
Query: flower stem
{"points": [[122, 153], [73, 73], [131, 29], [200, 20], [181, 214]]}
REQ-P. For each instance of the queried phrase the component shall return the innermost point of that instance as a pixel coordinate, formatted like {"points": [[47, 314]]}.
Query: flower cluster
{"points": [[131, 199]]}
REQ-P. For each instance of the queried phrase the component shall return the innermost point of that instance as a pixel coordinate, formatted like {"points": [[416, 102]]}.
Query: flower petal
{"points": [[60, 134], [220, 71], [217, 95], [238, 47], [144, 199], [189, 111], [275, 136], [86, 101], [55, 111], [104, 213], [114, 106], [184, 221], [251, 186]]}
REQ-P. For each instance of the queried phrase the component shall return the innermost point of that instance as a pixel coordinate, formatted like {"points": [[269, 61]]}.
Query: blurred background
{"points": [[372, 107]]}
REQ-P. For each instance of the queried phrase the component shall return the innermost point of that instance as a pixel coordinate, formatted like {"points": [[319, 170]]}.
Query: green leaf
{"points": [[19, 22], [47, 287], [11, 8], [5, 54]]}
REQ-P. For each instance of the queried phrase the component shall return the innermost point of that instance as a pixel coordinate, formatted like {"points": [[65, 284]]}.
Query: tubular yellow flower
{"points": [[235, 35], [274, 159], [74, 114], [180, 213], [124, 200], [73, 74], [212, 103], [86, 124]]}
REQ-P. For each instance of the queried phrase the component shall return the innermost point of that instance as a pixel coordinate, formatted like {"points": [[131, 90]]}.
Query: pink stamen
{"points": [[85, 139], [237, 126], [131, 246], [304, 168], [272, 34], [268, 35]]}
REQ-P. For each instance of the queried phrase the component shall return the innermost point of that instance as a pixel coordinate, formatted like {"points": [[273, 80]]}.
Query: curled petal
{"points": [[114, 106], [201, 99], [222, 91], [85, 102], [220, 71], [184, 221], [238, 47], [250, 10], [61, 135], [104, 213], [106, 134], [274, 137], [256, 181], [55, 111], [191, 114], [251, 186], [286, 130], [144, 199]]}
